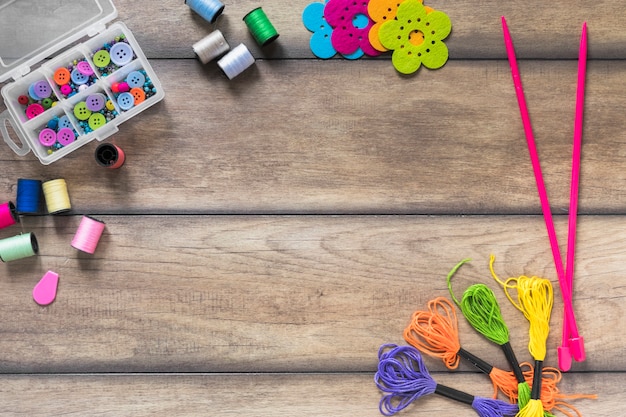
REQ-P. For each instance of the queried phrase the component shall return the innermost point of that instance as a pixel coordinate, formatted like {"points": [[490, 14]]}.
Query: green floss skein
{"points": [[260, 26], [18, 247], [480, 307]]}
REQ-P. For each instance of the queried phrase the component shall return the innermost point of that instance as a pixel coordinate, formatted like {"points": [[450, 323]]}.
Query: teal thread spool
{"points": [[18, 247], [260, 26]]}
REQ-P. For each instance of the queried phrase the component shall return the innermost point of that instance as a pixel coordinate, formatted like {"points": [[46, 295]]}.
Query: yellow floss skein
{"points": [[57, 197]]}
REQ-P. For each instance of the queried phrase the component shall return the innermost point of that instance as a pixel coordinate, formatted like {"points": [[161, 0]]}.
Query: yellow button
{"points": [[110, 106]]}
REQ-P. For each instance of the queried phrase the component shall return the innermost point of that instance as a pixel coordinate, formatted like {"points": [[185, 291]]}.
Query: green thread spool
{"points": [[260, 26], [18, 247]]}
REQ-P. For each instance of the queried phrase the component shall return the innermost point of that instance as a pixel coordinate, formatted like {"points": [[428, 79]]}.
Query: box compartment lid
{"points": [[32, 30]]}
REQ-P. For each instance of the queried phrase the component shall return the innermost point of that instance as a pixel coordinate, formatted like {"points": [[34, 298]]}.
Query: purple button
{"points": [[84, 68], [66, 136], [95, 102], [42, 89], [121, 53], [47, 137]]}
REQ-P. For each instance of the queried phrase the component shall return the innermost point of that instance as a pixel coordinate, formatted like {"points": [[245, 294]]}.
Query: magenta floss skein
{"points": [[8, 215], [404, 376], [88, 234]]}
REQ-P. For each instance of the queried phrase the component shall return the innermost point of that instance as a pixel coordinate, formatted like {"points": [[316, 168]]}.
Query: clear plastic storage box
{"points": [[81, 94]]}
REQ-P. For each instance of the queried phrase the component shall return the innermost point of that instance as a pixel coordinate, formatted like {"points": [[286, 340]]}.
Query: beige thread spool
{"points": [[211, 46], [57, 196]]}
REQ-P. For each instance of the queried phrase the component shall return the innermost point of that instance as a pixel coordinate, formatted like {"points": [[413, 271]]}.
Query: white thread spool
{"points": [[236, 61], [211, 46]]}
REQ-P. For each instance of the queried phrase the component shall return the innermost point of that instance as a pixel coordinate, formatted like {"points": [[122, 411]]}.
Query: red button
{"points": [[23, 100]]}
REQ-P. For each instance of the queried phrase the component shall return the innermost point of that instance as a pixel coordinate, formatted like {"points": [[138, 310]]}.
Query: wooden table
{"points": [[267, 234]]}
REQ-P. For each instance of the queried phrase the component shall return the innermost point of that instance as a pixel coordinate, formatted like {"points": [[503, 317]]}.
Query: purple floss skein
{"points": [[397, 375]]}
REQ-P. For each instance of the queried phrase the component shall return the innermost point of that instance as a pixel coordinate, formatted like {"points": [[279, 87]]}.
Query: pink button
{"points": [[47, 137], [66, 89], [66, 136], [84, 68], [34, 110]]}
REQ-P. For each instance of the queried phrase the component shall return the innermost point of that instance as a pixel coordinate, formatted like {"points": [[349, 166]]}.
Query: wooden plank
{"points": [[284, 293], [540, 30], [256, 395], [353, 137]]}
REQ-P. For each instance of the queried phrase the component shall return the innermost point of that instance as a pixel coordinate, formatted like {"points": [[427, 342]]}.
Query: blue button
{"points": [[78, 77], [121, 53], [135, 79], [126, 101], [32, 94], [64, 121]]}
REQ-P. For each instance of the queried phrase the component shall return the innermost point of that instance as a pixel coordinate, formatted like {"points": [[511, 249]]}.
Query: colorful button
{"points": [[101, 58], [53, 124], [23, 100], [66, 136], [47, 137], [78, 77], [126, 101], [84, 68], [81, 111], [31, 92], [62, 76], [123, 87], [95, 102], [135, 79], [64, 121], [121, 53], [138, 95], [42, 89], [46, 103], [66, 89], [97, 120], [110, 106], [34, 110]]}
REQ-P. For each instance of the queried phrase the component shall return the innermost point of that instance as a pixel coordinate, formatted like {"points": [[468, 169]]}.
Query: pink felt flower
{"points": [[351, 25]]}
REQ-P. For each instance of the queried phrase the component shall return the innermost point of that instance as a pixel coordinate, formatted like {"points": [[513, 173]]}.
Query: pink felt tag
{"points": [[45, 291], [349, 33]]}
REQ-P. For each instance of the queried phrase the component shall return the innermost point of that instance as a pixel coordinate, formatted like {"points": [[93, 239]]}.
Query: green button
{"points": [[46, 103], [81, 111], [97, 120], [101, 58]]}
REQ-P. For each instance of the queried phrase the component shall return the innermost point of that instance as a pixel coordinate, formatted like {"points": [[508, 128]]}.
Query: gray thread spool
{"points": [[211, 46]]}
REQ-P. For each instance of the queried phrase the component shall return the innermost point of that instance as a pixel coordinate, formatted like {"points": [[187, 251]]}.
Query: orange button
{"points": [[62, 76], [138, 95]]}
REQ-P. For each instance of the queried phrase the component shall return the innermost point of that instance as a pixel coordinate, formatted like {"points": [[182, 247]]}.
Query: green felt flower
{"points": [[416, 37]]}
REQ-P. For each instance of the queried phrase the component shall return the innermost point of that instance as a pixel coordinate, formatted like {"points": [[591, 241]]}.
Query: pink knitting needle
{"points": [[543, 195], [575, 342]]}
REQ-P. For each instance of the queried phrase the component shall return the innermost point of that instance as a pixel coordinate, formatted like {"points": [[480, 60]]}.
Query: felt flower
{"points": [[320, 43], [351, 25], [381, 11], [416, 37]]}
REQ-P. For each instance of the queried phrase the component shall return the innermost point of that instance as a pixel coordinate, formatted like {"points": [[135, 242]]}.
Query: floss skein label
{"points": [[45, 291], [88, 234]]}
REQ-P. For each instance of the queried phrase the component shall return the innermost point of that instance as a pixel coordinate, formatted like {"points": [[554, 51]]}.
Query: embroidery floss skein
{"points": [[404, 376], [18, 247], [57, 197], [8, 214], [260, 26], [210, 10], [435, 333], [88, 234], [211, 46], [28, 196], [109, 156], [535, 298], [236, 61], [481, 309]]}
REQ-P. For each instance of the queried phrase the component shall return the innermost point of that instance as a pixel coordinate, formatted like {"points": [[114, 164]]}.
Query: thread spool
{"points": [[56, 195], [28, 196], [18, 247], [210, 10], [8, 214], [211, 46], [88, 234], [236, 61], [110, 156], [260, 26]]}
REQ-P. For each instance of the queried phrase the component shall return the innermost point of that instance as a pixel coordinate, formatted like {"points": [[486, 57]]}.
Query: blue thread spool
{"points": [[28, 196], [208, 9]]}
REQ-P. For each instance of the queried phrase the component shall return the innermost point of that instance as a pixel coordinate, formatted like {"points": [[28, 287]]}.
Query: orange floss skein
{"points": [[435, 333]]}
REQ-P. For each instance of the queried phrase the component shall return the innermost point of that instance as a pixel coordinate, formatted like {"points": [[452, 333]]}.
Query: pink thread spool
{"points": [[88, 234], [8, 215]]}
